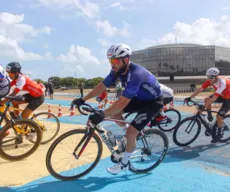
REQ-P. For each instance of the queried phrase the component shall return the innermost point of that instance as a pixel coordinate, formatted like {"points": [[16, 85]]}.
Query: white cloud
{"points": [[12, 26], [13, 31], [109, 30], [88, 9], [225, 8], [118, 5], [103, 42], [202, 31]]}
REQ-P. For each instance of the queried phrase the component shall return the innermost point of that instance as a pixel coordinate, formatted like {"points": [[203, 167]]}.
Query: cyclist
{"points": [[4, 83], [221, 86], [103, 97], [34, 97], [167, 94], [142, 92]]}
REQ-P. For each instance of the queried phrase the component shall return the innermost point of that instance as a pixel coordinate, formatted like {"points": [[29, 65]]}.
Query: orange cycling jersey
{"points": [[222, 87], [25, 83]]}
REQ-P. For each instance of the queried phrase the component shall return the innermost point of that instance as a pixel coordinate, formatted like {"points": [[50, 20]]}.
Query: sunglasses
{"points": [[114, 61], [9, 73], [211, 77]]}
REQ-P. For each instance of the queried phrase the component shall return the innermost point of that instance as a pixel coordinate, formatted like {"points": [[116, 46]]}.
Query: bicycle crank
{"points": [[116, 157]]}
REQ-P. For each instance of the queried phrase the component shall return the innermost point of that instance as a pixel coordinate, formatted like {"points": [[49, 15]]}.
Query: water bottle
{"points": [[111, 138]]}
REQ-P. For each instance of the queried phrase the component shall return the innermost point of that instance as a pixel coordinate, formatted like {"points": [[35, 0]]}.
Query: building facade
{"points": [[183, 59]]}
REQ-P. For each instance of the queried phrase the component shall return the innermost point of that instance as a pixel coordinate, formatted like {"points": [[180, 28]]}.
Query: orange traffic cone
{"points": [[49, 111], [171, 105], [72, 113], [59, 111]]}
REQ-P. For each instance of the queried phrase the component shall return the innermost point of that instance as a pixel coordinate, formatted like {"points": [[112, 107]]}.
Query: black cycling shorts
{"points": [[167, 100], [225, 107], [146, 111], [34, 102]]}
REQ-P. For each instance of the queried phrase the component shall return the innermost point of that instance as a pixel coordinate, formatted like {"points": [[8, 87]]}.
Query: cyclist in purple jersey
{"points": [[142, 93]]}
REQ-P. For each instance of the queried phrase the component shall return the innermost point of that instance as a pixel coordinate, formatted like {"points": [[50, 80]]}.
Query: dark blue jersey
{"points": [[138, 82]]}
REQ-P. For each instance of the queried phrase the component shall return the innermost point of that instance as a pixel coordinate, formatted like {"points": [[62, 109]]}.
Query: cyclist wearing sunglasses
{"points": [[141, 92], [4, 83], [221, 86], [35, 96]]}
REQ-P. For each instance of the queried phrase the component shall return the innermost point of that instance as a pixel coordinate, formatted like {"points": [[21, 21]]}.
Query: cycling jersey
{"points": [[25, 83], [138, 82], [222, 87], [166, 91], [4, 87]]}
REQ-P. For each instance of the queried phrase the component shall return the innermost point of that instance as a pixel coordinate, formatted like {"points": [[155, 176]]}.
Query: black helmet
{"points": [[13, 67]]}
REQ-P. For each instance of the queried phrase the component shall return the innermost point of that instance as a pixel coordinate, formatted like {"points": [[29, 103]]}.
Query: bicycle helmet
{"points": [[13, 67], [213, 71], [119, 51]]}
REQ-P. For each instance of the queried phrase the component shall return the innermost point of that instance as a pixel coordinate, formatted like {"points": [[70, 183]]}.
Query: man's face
{"points": [[12, 75], [212, 79], [117, 64]]}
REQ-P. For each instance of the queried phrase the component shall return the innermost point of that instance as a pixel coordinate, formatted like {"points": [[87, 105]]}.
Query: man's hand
{"points": [[97, 117], [77, 102], [187, 99]]}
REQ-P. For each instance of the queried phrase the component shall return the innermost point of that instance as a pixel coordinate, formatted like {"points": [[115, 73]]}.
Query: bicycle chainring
{"points": [[116, 157]]}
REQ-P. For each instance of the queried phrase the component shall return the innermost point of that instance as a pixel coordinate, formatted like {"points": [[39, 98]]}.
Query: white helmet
{"points": [[213, 71], [2, 73], [119, 51]]}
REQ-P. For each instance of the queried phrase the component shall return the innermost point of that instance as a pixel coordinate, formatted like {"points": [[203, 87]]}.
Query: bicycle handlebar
{"points": [[193, 103], [85, 107]]}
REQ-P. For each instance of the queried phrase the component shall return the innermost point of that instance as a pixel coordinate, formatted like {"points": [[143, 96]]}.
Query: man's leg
{"points": [[210, 118], [16, 104]]}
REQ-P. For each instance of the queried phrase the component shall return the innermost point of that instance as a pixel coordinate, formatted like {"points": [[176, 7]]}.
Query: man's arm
{"points": [[95, 92], [197, 92], [117, 107]]}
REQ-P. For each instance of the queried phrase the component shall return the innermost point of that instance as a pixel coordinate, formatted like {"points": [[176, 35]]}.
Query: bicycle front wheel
{"points": [[172, 120], [65, 164], [150, 151], [49, 125], [15, 139], [226, 129], [187, 131]]}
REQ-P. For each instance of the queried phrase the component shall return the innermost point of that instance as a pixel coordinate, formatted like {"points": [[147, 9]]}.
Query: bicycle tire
{"points": [[228, 137], [162, 156], [29, 123], [57, 122], [160, 125], [61, 138], [175, 132]]}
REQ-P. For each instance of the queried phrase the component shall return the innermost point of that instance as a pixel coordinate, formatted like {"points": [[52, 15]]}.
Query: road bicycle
{"points": [[173, 118], [16, 135], [48, 122], [66, 162], [189, 128]]}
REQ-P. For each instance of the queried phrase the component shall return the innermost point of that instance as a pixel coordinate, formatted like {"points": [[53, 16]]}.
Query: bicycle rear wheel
{"points": [[49, 124], [187, 131], [226, 129], [61, 161], [172, 120], [150, 151], [13, 144]]}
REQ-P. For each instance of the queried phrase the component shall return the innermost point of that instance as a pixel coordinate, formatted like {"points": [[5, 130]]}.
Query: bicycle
{"points": [[193, 125], [90, 142], [15, 134], [44, 120], [173, 118]]}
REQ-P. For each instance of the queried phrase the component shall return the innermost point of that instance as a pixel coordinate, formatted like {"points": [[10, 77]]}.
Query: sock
{"points": [[162, 113], [125, 158], [219, 131]]}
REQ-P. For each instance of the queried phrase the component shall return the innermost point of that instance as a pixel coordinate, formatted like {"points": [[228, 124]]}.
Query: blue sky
{"points": [[71, 37]]}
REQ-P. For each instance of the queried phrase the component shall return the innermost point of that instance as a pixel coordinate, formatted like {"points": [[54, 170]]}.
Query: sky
{"points": [[71, 37]]}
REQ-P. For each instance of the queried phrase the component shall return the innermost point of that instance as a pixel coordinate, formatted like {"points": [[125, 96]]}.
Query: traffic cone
{"points": [[59, 111], [171, 105], [72, 113], [49, 111]]}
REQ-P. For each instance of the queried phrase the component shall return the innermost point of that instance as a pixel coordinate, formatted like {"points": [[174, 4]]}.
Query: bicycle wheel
{"points": [[226, 129], [49, 124], [13, 142], [187, 131], [172, 120], [150, 151], [59, 166]]}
